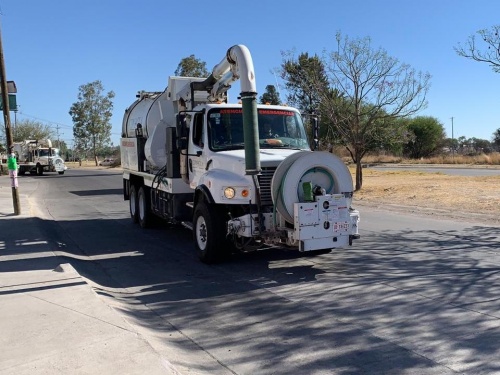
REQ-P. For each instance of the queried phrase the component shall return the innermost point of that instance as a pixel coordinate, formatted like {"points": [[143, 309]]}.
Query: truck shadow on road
{"points": [[89, 193], [422, 301]]}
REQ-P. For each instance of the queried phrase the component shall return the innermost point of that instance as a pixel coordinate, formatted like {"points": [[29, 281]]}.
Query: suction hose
{"points": [[320, 168]]}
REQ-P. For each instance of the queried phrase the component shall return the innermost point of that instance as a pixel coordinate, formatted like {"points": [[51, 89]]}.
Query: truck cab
{"points": [[216, 146]]}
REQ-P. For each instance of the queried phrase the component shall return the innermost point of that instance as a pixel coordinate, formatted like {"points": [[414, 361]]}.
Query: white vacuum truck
{"points": [[241, 176], [38, 156]]}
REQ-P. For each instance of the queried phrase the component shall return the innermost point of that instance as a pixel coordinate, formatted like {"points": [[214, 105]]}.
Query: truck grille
{"points": [[265, 179]]}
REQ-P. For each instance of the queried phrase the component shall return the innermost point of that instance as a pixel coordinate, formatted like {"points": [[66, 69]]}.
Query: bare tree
{"points": [[376, 89], [30, 129], [487, 51]]}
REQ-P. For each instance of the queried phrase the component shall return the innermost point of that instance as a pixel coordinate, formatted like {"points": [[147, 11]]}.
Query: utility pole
{"points": [[58, 141], [452, 142], [8, 133]]}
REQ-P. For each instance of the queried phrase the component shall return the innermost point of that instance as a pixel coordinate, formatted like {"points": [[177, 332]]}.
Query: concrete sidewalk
{"points": [[51, 321]]}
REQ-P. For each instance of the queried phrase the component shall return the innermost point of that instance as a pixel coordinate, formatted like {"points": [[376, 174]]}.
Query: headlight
{"points": [[229, 193]]}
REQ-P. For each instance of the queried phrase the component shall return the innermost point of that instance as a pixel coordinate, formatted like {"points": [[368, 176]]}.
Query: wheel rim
{"points": [[201, 233], [132, 204], [142, 206]]}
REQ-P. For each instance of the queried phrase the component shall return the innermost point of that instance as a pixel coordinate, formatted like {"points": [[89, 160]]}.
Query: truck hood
{"points": [[234, 160]]}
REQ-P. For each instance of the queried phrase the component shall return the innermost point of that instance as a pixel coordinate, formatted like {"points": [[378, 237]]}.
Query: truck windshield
{"points": [[45, 152], [277, 129]]}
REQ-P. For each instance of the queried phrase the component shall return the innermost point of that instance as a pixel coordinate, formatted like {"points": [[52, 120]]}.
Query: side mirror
{"points": [[181, 130], [181, 143], [180, 125]]}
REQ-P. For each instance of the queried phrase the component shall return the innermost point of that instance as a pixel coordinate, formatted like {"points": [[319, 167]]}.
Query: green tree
{"points": [[376, 89], [91, 116], [62, 146], [487, 50], [110, 151], [394, 135], [464, 146], [271, 96], [192, 67], [480, 145], [428, 137], [496, 139], [302, 77], [451, 144]]}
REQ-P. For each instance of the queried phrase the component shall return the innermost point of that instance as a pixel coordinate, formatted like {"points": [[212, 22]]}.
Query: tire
{"points": [[134, 211], [22, 171], [62, 172], [143, 207], [208, 234], [39, 170]]}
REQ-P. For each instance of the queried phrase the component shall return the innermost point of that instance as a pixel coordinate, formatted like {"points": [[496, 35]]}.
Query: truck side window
{"points": [[198, 130]]}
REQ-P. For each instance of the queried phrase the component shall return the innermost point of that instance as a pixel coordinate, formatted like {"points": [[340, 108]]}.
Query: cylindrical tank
{"points": [[146, 110], [155, 113]]}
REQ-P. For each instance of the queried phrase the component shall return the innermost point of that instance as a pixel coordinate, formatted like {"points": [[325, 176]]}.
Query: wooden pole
{"points": [[6, 119]]}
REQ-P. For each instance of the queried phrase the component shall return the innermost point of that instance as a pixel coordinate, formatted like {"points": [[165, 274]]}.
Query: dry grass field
{"points": [[438, 194]]}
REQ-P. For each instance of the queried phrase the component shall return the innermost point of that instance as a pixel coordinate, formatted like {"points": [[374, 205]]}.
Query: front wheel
{"points": [[39, 169], [62, 172], [208, 234]]}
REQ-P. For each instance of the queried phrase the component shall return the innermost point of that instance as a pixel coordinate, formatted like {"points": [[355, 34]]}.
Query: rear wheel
{"points": [[208, 234], [133, 204], [143, 206]]}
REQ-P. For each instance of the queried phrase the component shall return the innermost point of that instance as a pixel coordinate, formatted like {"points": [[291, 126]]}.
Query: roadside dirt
{"points": [[475, 199]]}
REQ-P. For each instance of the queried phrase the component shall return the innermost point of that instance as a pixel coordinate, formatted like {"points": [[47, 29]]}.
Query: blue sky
{"points": [[52, 47]]}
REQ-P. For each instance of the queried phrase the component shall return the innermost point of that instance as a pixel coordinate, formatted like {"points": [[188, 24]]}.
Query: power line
{"points": [[52, 123], [49, 121]]}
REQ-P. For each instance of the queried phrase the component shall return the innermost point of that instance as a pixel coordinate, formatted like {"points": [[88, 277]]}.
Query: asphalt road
{"points": [[412, 296]]}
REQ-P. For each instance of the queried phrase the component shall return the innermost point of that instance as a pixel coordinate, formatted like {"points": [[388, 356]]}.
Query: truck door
{"points": [[196, 163]]}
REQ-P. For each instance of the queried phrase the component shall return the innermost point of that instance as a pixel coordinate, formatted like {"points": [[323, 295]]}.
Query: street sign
{"points": [[12, 103], [11, 87]]}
